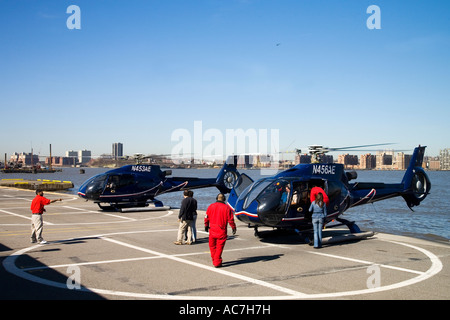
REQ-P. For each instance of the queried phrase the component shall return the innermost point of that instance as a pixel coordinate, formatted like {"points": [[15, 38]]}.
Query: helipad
{"points": [[132, 256]]}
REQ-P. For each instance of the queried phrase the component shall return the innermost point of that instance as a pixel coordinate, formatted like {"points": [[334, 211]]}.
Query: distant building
{"points": [[367, 161], [302, 158], [432, 163], [402, 161], [348, 160], [306, 158], [385, 159], [72, 154], [24, 158], [60, 161], [444, 159], [327, 158], [77, 157], [117, 150], [84, 156]]}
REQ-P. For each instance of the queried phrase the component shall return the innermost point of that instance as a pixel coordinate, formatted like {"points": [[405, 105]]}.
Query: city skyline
{"points": [[282, 155], [382, 160], [138, 71]]}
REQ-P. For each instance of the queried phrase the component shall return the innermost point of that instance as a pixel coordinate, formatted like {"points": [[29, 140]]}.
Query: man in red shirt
{"points": [[37, 209], [218, 216]]}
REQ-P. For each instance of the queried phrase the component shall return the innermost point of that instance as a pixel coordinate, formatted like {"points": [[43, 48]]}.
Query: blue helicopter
{"points": [[134, 186], [282, 201]]}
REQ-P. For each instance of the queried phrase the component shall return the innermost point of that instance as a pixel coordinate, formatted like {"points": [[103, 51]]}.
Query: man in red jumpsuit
{"points": [[218, 216]]}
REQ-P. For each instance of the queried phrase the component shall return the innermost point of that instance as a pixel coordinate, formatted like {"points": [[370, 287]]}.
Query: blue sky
{"points": [[138, 70]]}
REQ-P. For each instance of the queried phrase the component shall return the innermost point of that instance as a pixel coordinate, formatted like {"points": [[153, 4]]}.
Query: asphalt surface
{"points": [[110, 255]]}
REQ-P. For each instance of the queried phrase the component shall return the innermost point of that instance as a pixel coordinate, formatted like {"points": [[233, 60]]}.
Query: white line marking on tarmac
{"points": [[131, 259], [124, 219], [436, 267], [24, 217], [120, 217], [209, 268], [367, 262]]}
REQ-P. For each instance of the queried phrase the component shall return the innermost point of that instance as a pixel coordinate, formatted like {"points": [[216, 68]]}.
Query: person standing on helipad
{"points": [[37, 210], [186, 217], [218, 216], [318, 209]]}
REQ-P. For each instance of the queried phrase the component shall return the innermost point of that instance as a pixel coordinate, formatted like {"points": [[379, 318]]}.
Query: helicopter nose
{"points": [[88, 194], [82, 193], [92, 188], [271, 218]]}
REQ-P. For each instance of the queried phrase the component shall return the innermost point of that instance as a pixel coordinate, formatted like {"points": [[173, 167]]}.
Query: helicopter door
{"points": [[333, 190], [119, 182], [300, 199]]}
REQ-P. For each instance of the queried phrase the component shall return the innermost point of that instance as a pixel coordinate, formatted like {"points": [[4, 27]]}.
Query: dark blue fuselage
{"points": [[283, 200]]}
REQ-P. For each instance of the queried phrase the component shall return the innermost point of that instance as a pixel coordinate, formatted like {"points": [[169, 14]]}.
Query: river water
{"points": [[431, 220]]}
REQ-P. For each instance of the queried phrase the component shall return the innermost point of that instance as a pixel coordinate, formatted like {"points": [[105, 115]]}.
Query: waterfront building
{"points": [[401, 161], [84, 156], [444, 159], [302, 158], [73, 155], [384, 159], [27, 159], [117, 150], [60, 161], [432, 163], [348, 160], [81, 156], [367, 161]]}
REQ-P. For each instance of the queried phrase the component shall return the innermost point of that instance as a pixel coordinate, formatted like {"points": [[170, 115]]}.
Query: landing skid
{"points": [[303, 237], [133, 206], [351, 225]]}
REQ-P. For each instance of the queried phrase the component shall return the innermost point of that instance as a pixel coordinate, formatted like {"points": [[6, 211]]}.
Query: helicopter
{"points": [[134, 186], [282, 201]]}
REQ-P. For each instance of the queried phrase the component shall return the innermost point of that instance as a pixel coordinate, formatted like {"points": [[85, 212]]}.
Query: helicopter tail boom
{"points": [[414, 186]]}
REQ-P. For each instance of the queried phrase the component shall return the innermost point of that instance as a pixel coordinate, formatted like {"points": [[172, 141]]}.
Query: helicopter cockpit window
{"points": [[242, 184], [300, 194], [253, 191], [275, 196], [95, 185], [116, 182]]}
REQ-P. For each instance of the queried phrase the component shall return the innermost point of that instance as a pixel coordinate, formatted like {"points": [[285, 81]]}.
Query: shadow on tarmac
{"points": [[16, 288]]}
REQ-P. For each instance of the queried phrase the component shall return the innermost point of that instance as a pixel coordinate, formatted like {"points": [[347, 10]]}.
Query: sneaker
{"points": [[178, 243], [43, 242], [33, 241]]}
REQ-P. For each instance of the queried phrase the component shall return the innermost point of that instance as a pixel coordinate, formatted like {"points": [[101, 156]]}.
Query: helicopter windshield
{"points": [[274, 197], [94, 187], [271, 195], [253, 191]]}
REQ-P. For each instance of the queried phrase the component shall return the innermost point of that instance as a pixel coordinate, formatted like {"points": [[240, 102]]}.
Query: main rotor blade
{"points": [[362, 146]]}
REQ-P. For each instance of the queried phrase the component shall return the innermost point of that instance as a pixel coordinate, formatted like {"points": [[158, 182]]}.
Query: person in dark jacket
{"points": [[194, 222], [186, 217]]}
